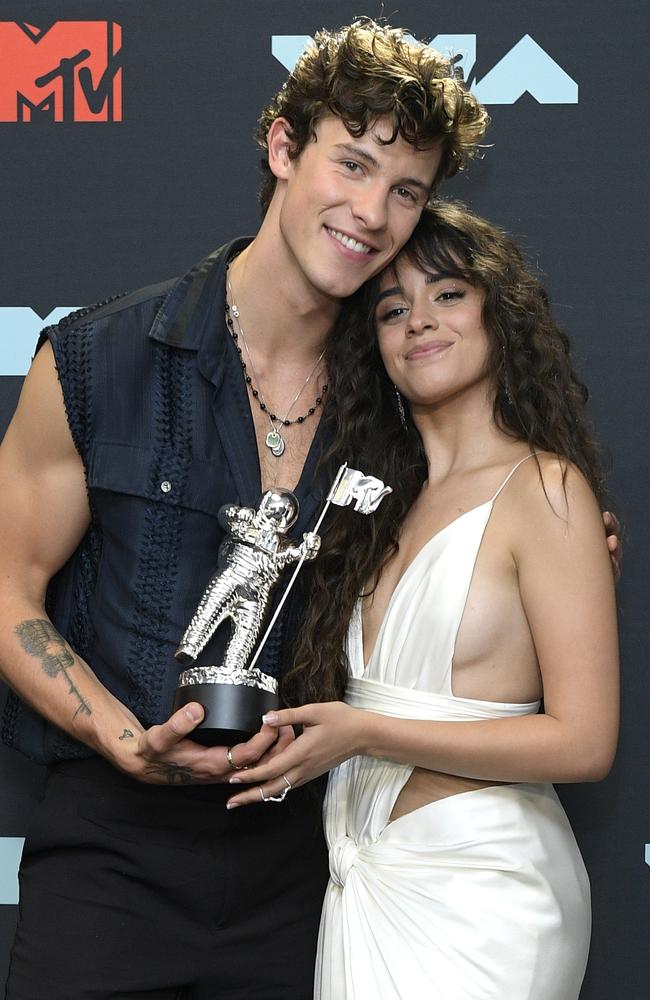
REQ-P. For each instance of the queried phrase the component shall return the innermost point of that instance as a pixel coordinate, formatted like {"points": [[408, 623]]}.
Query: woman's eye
{"points": [[351, 165], [393, 313], [450, 295], [405, 193]]}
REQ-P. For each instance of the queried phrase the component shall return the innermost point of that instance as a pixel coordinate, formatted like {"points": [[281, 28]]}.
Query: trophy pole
{"points": [[276, 614]]}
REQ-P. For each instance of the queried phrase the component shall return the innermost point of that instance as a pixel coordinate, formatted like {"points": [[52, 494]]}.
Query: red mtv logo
{"points": [[69, 71]]}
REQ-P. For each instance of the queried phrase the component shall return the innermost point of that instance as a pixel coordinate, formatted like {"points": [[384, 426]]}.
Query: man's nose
{"points": [[370, 206]]}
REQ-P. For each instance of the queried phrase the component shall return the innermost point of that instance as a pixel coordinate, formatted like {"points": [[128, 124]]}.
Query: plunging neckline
{"points": [[416, 557], [414, 560]]}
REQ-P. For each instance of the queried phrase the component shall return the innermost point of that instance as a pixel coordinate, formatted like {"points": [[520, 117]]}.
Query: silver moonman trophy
{"points": [[256, 550]]}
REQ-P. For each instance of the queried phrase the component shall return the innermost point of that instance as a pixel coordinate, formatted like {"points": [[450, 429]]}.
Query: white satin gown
{"points": [[479, 896]]}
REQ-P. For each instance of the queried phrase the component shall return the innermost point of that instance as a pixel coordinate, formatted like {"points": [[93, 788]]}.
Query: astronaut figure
{"points": [[251, 559]]}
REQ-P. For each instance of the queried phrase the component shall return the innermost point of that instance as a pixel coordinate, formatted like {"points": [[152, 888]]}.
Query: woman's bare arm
{"points": [[567, 590]]}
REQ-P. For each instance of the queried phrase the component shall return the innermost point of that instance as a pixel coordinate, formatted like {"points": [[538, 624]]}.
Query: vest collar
{"points": [[186, 315]]}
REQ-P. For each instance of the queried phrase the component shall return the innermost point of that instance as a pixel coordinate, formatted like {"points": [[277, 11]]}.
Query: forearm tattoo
{"points": [[40, 639], [173, 774]]}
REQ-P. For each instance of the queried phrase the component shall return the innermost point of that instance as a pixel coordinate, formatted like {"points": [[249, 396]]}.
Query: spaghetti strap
{"points": [[511, 473]]}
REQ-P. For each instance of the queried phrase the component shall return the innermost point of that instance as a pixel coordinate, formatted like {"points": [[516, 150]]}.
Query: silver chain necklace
{"points": [[274, 440]]}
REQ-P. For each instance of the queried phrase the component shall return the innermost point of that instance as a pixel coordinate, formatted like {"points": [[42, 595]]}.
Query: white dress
{"points": [[479, 896]]}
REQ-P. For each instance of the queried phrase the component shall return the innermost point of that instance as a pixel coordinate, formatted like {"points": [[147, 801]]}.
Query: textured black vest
{"points": [[158, 410]]}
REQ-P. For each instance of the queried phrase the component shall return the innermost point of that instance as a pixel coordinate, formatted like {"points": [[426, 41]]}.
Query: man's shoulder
{"points": [[152, 295], [153, 310]]}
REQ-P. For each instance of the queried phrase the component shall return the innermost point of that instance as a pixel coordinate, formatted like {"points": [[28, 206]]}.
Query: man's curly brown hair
{"points": [[367, 71]]}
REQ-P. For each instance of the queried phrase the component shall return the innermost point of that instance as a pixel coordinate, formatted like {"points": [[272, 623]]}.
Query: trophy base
{"points": [[233, 712]]}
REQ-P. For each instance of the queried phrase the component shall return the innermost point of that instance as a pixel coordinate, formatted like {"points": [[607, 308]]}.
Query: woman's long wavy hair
{"points": [[538, 399]]}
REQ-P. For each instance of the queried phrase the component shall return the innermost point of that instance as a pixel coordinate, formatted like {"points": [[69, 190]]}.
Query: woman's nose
{"points": [[421, 318]]}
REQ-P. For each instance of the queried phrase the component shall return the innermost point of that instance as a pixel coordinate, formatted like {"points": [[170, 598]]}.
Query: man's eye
{"points": [[405, 193], [449, 296], [351, 165]]}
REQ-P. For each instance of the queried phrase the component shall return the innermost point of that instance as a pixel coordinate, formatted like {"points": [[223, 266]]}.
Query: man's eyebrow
{"points": [[359, 153]]}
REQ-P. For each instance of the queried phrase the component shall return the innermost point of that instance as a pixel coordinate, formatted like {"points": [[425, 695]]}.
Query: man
{"points": [[139, 419]]}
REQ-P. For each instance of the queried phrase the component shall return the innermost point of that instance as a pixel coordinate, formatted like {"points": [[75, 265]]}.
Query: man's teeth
{"points": [[348, 242]]}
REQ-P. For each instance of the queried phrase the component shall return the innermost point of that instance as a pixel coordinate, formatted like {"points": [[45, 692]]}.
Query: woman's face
{"points": [[431, 334]]}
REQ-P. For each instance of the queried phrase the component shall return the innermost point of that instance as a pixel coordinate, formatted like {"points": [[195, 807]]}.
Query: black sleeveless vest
{"points": [[158, 410]]}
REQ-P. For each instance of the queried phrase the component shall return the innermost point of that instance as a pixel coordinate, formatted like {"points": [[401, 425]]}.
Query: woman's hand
{"points": [[331, 733]]}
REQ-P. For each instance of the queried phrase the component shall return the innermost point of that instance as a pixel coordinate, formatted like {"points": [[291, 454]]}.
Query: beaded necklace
{"points": [[274, 440]]}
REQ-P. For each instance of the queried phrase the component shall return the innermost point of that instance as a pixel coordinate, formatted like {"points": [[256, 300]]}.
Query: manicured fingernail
{"points": [[234, 781], [270, 719], [231, 805]]}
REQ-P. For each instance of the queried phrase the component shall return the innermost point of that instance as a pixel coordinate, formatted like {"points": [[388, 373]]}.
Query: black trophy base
{"points": [[233, 712]]}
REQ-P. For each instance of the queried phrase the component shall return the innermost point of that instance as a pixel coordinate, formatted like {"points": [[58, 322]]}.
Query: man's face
{"points": [[349, 205]]}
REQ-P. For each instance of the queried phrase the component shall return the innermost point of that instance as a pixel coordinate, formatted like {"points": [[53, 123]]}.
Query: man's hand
{"points": [[614, 542], [166, 754]]}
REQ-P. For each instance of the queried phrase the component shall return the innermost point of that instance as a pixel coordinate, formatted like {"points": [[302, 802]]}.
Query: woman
{"points": [[486, 588]]}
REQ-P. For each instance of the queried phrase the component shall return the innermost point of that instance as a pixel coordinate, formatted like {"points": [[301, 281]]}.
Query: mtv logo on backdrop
{"points": [[65, 71], [526, 68]]}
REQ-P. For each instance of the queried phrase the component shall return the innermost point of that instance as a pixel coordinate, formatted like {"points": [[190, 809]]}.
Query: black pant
{"points": [[132, 891]]}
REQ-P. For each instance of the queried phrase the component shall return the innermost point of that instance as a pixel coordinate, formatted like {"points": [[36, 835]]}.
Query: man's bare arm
{"points": [[40, 639], [44, 514]]}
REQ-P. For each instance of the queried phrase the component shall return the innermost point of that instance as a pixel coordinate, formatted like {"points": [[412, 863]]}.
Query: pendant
{"points": [[275, 442]]}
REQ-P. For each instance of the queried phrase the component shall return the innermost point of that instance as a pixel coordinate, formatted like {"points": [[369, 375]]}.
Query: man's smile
{"points": [[350, 243]]}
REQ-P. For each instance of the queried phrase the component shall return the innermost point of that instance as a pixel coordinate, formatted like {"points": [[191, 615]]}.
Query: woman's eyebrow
{"points": [[396, 290], [432, 276]]}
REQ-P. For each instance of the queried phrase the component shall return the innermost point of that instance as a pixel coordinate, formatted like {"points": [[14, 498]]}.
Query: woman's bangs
{"points": [[442, 253]]}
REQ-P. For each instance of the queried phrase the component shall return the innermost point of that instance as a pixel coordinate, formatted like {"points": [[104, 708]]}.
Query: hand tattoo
{"points": [[126, 735], [39, 638], [174, 774]]}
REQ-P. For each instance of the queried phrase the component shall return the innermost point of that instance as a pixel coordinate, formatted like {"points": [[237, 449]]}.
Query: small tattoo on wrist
{"points": [[126, 735]]}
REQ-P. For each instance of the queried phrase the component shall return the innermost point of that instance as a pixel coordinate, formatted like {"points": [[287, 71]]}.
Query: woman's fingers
{"points": [[290, 716], [270, 770], [285, 738], [614, 542], [245, 754], [268, 793]]}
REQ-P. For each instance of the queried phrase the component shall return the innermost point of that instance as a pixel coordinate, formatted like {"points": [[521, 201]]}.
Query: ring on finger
{"points": [[231, 762], [277, 798]]}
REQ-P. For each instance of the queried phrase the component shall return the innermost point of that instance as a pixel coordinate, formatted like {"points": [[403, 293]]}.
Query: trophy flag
{"points": [[349, 486]]}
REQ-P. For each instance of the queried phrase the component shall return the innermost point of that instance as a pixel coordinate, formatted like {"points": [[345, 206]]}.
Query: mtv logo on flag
{"points": [[351, 486], [66, 71]]}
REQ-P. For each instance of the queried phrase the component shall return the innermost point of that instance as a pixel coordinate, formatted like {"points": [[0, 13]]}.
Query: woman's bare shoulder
{"points": [[551, 496]]}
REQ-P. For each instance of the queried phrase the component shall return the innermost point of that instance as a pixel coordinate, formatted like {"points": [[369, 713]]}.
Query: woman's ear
{"points": [[279, 144]]}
